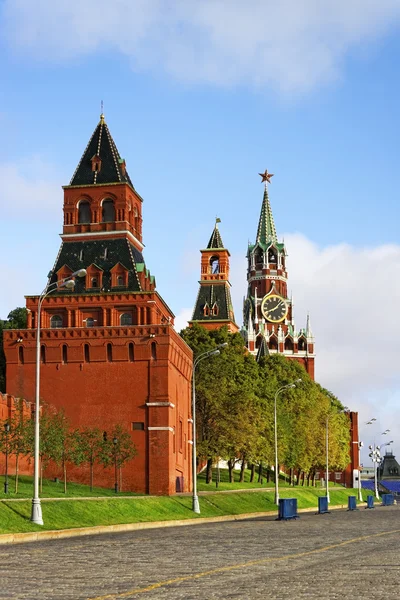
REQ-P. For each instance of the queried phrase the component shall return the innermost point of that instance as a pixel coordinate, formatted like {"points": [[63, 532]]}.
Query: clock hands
{"points": [[276, 307]]}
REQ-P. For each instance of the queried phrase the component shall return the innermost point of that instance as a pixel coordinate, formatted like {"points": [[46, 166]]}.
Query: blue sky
{"points": [[199, 98]]}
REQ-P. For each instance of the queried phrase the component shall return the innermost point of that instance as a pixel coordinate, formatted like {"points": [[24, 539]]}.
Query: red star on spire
{"points": [[266, 176]]}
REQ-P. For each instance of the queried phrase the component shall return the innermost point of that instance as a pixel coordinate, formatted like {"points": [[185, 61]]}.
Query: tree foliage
{"points": [[235, 398], [16, 319]]}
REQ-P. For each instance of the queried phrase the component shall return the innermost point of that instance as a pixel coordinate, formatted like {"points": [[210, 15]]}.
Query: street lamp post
{"points": [[68, 283], [6, 431], [115, 442], [195, 498], [360, 445], [281, 389], [327, 461]]}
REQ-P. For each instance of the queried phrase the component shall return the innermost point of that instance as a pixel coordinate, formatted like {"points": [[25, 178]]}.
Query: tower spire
{"points": [[266, 232]]}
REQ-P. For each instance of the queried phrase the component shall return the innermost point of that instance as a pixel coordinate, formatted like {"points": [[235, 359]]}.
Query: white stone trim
{"points": [[103, 233], [171, 429], [160, 404]]}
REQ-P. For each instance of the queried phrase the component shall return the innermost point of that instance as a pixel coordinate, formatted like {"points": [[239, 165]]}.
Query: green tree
{"points": [[117, 448], [20, 439], [88, 445]]}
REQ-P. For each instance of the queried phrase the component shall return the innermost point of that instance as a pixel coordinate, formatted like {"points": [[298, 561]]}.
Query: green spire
{"points": [[266, 232], [215, 239]]}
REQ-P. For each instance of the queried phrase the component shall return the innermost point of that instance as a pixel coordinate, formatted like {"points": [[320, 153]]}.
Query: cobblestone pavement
{"points": [[339, 555]]}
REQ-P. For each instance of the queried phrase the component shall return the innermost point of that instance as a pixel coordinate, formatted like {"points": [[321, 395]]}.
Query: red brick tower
{"points": [[108, 348], [268, 312], [214, 307]]}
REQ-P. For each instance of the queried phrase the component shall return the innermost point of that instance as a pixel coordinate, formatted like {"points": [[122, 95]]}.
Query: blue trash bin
{"points": [[352, 505], [287, 509], [387, 499], [370, 502], [323, 505]]}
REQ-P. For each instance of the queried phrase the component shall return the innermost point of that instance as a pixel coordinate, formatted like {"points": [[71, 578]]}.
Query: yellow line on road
{"points": [[251, 563]]}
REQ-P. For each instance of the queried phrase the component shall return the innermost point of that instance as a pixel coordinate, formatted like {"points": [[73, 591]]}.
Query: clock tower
{"points": [[268, 322]]}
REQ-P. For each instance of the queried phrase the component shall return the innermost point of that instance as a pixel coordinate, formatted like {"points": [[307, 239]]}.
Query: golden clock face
{"points": [[274, 308]]}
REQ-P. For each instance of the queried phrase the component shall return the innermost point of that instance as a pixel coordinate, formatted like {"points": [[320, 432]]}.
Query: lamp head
{"points": [[214, 353], [224, 345], [81, 273], [70, 284]]}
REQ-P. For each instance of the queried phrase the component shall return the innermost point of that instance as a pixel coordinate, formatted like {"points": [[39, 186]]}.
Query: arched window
{"points": [[94, 282], [56, 322], [43, 354], [108, 211], [259, 256], [131, 352], [64, 354], [302, 345], [126, 319], [206, 310], [153, 350], [120, 281], [289, 344], [271, 256], [109, 353], [21, 355], [89, 322], [214, 262], [273, 343], [86, 353], [84, 215], [215, 310]]}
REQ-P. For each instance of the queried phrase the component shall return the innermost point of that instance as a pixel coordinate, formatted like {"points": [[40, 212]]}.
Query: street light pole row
{"points": [[68, 283], [195, 498], [281, 389]]}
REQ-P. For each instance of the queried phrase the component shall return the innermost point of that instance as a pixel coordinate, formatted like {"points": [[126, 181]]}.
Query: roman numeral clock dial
{"points": [[274, 308]]}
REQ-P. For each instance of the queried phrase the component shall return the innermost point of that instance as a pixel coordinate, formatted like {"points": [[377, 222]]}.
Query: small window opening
{"points": [[56, 322], [86, 353], [21, 355], [84, 215], [302, 345], [215, 310], [108, 211], [289, 344], [131, 352], [153, 350], [214, 262], [271, 256], [89, 322], [206, 310], [109, 352], [259, 256], [120, 281], [137, 426], [43, 354], [94, 282], [273, 343], [64, 354], [126, 319]]}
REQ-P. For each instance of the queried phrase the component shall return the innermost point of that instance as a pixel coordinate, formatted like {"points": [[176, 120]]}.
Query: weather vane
{"points": [[266, 176]]}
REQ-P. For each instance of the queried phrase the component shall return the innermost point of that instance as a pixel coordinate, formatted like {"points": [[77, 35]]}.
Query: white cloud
{"points": [[289, 45], [28, 191], [352, 295], [182, 318]]}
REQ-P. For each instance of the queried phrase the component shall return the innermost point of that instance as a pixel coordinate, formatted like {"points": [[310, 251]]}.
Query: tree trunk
{"points": [[231, 464], [65, 476], [91, 474], [120, 479], [260, 480], [242, 466], [209, 471], [16, 472], [308, 479], [268, 475], [291, 477], [252, 473]]}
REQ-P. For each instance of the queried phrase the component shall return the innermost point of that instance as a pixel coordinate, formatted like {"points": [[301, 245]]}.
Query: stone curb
{"points": [[37, 536]]}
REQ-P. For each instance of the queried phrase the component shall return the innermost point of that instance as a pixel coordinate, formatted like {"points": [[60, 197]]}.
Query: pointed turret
{"points": [[101, 162], [213, 306], [266, 232], [215, 239]]}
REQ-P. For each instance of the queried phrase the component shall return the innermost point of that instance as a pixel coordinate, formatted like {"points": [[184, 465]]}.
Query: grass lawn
{"points": [[52, 489], [224, 484], [14, 516]]}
